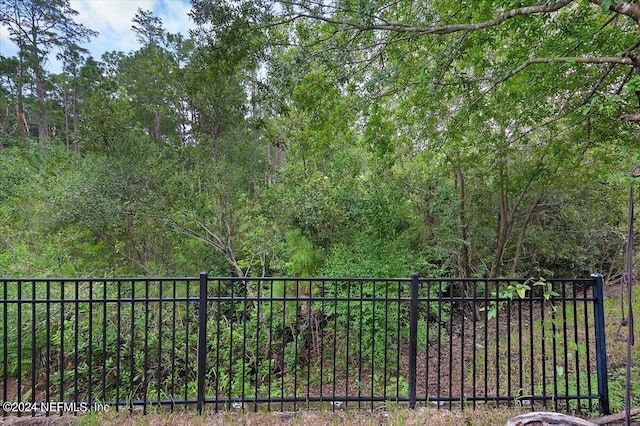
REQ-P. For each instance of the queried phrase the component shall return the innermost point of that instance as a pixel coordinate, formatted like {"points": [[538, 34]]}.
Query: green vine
{"points": [[519, 290]]}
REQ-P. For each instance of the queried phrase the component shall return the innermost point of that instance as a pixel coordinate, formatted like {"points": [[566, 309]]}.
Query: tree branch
{"points": [[601, 60], [613, 60], [631, 10], [439, 29]]}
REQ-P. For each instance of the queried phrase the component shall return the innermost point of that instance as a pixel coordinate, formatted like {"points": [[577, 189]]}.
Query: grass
{"points": [[392, 417], [617, 348]]}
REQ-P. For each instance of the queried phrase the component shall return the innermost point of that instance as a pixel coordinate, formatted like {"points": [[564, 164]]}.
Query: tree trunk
{"points": [[464, 258], [38, 71], [66, 115], [43, 119], [158, 124], [521, 237], [74, 114], [613, 418], [22, 121], [20, 116], [504, 223]]}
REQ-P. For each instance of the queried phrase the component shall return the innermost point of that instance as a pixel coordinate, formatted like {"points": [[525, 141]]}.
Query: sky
{"points": [[113, 20]]}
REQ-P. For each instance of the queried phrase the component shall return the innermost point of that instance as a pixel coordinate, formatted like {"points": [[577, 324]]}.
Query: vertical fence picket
{"points": [[202, 341], [90, 344], [34, 364], [118, 340], [601, 343], [5, 343], [104, 342], [413, 340]]}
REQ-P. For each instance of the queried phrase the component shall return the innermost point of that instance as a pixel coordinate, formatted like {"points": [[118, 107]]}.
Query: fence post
{"points": [[202, 340], [413, 340], [601, 343]]}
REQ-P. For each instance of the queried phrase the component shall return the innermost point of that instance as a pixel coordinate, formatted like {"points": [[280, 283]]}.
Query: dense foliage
{"points": [[309, 138], [322, 138]]}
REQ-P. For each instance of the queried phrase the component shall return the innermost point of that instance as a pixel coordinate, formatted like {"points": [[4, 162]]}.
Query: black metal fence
{"points": [[288, 344]]}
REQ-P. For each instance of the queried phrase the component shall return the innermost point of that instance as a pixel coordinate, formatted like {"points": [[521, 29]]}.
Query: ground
{"points": [[398, 417]]}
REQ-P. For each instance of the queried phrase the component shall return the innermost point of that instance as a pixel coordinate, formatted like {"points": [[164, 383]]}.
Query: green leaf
{"points": [[492, 313]]}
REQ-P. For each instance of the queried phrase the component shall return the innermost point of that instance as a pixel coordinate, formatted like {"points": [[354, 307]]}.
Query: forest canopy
{"points": [[334, 138]]}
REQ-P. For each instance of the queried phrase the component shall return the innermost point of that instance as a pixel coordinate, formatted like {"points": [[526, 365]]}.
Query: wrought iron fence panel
{"points": [[303, 343]]}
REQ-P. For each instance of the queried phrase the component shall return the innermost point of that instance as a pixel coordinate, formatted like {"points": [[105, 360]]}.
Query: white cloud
{"points": [[4, 33], [7, 48], [113, 20], [109, 15], [174, 14]]}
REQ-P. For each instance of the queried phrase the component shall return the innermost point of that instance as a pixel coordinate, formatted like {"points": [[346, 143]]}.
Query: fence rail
{"points": [[292, 343]]}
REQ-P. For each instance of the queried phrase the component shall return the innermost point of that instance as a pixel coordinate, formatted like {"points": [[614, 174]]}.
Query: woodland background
{"points": [[341, 138]]}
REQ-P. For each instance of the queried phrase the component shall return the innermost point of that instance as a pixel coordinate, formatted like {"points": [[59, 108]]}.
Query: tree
{"points": [[69, 83], [503, 102], [154, 77], [13, 117], [148, 28], [37, 27]]}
